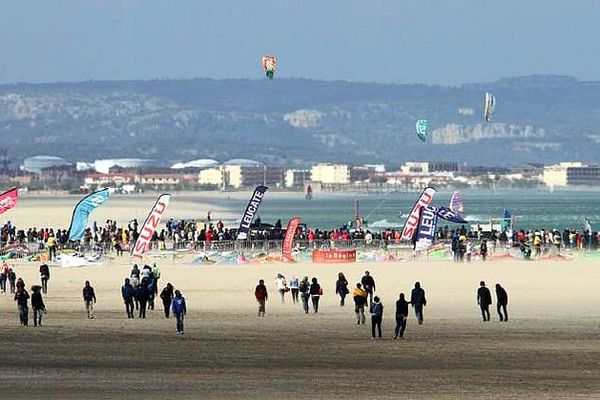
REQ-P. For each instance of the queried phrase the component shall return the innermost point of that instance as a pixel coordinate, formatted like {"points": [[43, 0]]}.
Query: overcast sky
{"points": [[404, 41]]}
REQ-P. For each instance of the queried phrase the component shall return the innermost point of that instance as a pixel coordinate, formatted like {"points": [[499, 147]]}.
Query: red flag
{"points": [[9, 199], [290, 231]]}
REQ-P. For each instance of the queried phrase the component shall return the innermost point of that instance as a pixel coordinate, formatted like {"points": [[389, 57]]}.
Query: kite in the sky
{"points": [[421, 127], [489, 106], [269, 64]]}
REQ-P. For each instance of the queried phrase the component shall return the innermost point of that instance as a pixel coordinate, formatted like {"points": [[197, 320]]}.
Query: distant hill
{"points": [[293, 122]]}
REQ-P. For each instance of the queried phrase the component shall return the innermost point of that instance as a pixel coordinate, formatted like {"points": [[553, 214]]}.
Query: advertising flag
{"points": [[288, 241], [250, 211], [447, 214], [412, 221], [8, 200], [426, 230], [82, 211], [149, 227]]}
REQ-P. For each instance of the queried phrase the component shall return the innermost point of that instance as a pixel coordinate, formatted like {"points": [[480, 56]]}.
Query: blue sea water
{"points": [[531, 209]]}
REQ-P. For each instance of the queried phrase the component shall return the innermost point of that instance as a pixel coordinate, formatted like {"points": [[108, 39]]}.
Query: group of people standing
{"points": [[139, 294], [21, 296], [364, 296]]}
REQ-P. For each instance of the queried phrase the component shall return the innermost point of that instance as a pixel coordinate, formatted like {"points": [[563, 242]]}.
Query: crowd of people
{"points": [[364, 297]]}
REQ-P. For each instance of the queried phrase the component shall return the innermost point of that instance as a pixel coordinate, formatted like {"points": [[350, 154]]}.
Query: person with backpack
{"points": [[179, 310], [166, 296], [304, 289], [44, 276], [37, 304], [376, 310], [315, 294], [360, 297], [128, 294], [261, 295]]}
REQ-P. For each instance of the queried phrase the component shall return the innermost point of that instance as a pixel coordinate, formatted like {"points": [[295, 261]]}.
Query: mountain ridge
{"points": [[295, 122]]}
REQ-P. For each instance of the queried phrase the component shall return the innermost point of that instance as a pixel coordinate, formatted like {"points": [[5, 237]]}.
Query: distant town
{"points": [[135, 175]]}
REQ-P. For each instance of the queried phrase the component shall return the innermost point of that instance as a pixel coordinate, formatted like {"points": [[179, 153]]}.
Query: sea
{"points": [[531, 209]]}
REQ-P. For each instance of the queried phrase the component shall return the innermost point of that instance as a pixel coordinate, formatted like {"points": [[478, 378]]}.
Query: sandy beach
{"points": [[548, 349]]}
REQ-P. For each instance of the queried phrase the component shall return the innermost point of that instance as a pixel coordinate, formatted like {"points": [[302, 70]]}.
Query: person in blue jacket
{"points": [[128, 294], [179, 310]]}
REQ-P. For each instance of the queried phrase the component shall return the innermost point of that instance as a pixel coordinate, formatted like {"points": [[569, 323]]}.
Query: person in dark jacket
{"points": [[261, 295], [304, 289], [143, 295], [315, 294], [376, 310], [401, 316], [501, 302], [37, 304], [44, 276], [166, 296], [12, 278], [368, 284], [341, 288], [89, 298], [483, 250], [128, 294], [484, 299], [179, 310], [418, 301], [135, 272], [21, 297]]}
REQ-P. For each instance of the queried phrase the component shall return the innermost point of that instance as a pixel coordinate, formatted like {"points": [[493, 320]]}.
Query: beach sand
{"points": [[549, 349]]}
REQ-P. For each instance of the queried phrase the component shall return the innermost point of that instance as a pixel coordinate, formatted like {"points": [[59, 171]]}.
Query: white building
{"points": [[571, 173], [330, 173], [296, 177]]}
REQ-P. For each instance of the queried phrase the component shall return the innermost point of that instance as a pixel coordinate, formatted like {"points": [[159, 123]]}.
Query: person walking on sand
{"points": [[294, 288], [484, 299], [143, 295], [360, 300], [418, 301], [401, 316], [44, 276], [341, 288], [315, 294], [376, 310], [37, 305], [12, 278], [4, 272], [261, 296], [282, 286], [501, 302], [128, 294], [166, 296], [304, 289], [89, 298], [21, 297], [179, 310], [135, 272], [368, 284]]}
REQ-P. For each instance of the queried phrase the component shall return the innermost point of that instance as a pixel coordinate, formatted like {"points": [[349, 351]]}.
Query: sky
{"points": [[446, 42]]}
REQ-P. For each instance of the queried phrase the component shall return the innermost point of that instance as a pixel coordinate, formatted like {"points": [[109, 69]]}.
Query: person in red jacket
{"points": [[261, 296]]}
